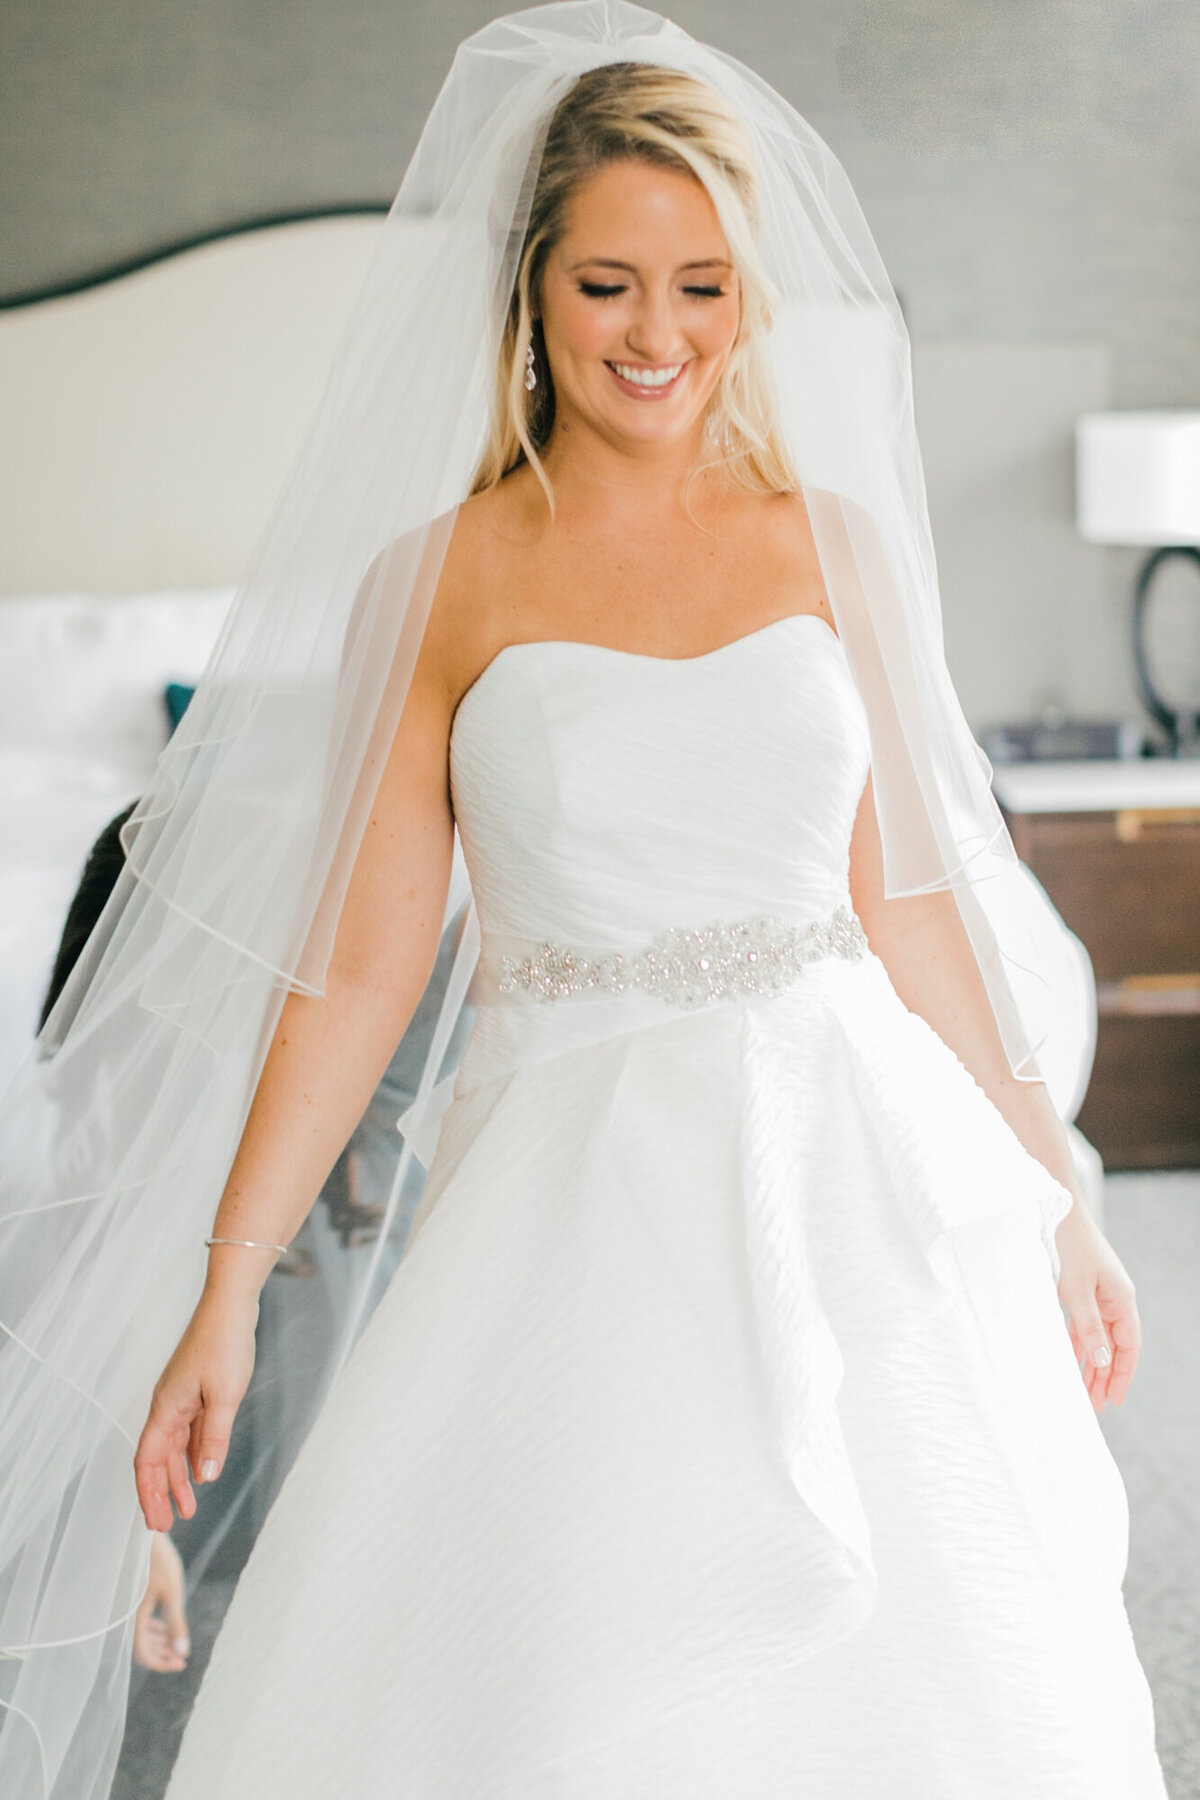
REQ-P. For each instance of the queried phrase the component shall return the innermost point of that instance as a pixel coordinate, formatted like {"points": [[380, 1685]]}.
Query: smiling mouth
{"points": [[644, 381]]}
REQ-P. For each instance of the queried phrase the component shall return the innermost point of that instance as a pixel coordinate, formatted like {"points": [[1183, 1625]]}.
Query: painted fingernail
{"points": [[181, 1646], [1102, 1356], [208, 1470]]}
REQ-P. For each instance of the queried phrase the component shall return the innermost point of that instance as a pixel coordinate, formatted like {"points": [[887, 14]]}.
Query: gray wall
{"points": [[1029, 168]]}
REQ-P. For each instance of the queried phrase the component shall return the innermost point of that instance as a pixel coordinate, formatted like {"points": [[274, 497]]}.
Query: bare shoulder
{"points": [[836, 510], [469, 617], [787, 530], [790, 521]]}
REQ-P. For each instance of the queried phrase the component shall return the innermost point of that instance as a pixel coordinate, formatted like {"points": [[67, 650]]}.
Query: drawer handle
{"points": [[1150, 994], [1133, 821]]}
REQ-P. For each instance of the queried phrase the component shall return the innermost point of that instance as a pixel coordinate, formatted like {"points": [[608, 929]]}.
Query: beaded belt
{"points": [[688, 968]]}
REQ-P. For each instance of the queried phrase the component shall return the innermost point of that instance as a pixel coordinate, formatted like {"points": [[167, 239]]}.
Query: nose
{"points": [[653, 334]]}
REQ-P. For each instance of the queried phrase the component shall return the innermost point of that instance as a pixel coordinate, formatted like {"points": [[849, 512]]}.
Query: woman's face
{"points": [[639, 306]]}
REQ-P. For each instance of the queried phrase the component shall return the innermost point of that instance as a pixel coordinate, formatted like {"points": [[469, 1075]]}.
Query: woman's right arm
{"points": [[325, 1060]]}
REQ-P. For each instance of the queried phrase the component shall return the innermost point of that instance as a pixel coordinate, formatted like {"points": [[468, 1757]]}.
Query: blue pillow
{"points": [[175, 697]]}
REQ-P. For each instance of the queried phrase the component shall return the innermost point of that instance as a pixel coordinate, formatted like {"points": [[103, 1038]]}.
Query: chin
{"points": [[642, 422], [664, 437]]}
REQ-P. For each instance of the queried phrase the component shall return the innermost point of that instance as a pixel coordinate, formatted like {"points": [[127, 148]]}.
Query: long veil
{"points": [[117, 1135]]}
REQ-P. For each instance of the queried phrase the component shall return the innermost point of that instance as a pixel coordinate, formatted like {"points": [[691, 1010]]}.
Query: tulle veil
{"points": [[118, 1132]]}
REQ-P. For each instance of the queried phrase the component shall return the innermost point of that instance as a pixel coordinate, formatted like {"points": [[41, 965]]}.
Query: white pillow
{"points": [[85, 673]]}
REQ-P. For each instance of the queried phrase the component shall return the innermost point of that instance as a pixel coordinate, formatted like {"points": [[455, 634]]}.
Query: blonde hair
{"points": [[624, 112]]}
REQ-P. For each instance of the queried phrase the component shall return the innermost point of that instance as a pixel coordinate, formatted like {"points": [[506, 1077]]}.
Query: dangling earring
{"points": [[530, 371]]}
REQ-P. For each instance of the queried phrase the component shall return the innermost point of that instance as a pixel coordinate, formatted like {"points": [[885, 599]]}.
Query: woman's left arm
{"points": [[923, 944]]}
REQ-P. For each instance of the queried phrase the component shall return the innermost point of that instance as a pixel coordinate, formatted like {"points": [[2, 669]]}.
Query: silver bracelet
{"points": [[247, 1244]]}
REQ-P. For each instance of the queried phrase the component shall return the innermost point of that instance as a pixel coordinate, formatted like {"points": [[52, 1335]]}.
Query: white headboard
{"points": [[146, 426], [147, 423]]}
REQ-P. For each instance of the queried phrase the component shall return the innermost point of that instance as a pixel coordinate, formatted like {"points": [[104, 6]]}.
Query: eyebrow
{"points": [[608, 262]]}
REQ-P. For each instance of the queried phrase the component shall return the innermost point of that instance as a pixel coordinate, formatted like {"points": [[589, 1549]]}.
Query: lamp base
{"points": [[1181, 724]]}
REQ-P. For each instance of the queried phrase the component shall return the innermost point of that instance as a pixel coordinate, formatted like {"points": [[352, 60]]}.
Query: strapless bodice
{"points": [[603, 796]]}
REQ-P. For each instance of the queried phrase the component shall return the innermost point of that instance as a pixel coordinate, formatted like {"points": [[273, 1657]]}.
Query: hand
{"points": [[162, 1643], [193, 1408], [1102, 1314]]}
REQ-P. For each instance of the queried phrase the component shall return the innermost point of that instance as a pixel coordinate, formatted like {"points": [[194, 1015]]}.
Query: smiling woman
{"points": [[719, 1432], [648, 176]]}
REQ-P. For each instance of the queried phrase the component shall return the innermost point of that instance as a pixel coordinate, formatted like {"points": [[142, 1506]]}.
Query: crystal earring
{"points": [[530, 371]]}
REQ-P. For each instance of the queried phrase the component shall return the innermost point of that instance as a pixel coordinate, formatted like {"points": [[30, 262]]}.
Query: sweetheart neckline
{"points": [[631, 655]]}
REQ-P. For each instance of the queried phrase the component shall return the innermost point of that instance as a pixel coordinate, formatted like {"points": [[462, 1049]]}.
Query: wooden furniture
{"points": [[1117, 848]]}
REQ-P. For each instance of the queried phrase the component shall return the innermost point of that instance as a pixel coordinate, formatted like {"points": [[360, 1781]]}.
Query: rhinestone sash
{"points": [[682, 967]]}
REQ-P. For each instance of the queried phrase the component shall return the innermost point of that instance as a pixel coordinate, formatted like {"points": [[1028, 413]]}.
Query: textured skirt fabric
{"points": [[719, 1435]]}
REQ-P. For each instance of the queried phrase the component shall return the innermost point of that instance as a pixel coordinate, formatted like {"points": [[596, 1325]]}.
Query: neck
{"points": [[586, 469]]}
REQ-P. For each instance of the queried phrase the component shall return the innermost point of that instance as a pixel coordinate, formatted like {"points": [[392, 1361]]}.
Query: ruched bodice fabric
{"points": [[719, 1433], [603, 796]]}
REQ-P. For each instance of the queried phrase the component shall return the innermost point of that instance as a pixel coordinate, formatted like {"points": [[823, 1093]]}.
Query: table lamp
{"points": [[1137, 481]]}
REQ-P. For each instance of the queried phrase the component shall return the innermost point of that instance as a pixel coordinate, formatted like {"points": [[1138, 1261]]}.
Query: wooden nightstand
{"points": [[1117, 848]]}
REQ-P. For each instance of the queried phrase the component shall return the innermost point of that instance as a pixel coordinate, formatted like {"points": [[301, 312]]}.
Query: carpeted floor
{"points": [[1154, 1223]]}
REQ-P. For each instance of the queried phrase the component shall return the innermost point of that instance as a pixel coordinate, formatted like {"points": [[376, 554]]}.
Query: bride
{"points": [[720, 1431]]}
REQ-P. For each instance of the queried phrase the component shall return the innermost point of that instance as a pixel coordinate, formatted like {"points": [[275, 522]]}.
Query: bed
{"points": [[148, 423]]}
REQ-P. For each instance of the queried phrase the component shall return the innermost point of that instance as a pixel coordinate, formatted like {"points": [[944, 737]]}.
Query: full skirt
{"points": [[719, 1435]]}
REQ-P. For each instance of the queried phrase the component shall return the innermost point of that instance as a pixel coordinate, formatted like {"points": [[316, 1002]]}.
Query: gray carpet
{"points": [[159, 1704], [1154, 1223]]}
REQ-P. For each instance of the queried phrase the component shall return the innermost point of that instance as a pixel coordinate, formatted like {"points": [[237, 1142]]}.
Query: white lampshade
{"points": [[1137, 477]]}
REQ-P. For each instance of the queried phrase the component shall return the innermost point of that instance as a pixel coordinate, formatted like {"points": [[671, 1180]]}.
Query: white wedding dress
{"points": [[719, 1436]]}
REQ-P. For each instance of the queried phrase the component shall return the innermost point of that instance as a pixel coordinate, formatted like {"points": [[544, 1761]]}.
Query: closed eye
{"points": [[596, 290]]}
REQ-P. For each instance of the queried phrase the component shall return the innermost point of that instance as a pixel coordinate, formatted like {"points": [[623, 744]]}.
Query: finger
{"points": [[210, 1440], [154, 1500], [150, 1477], [195, 1436], [1091, 1373], [1090, 1335], [175, 1623], [181, 1487], [146, 1643], [1126, 1333], [157, 1654], [1099, 1367], [169, 1658], [1124, 1363]]}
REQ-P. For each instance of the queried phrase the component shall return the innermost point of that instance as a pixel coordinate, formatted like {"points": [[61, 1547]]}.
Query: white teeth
{"points": [[647, 377]]}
